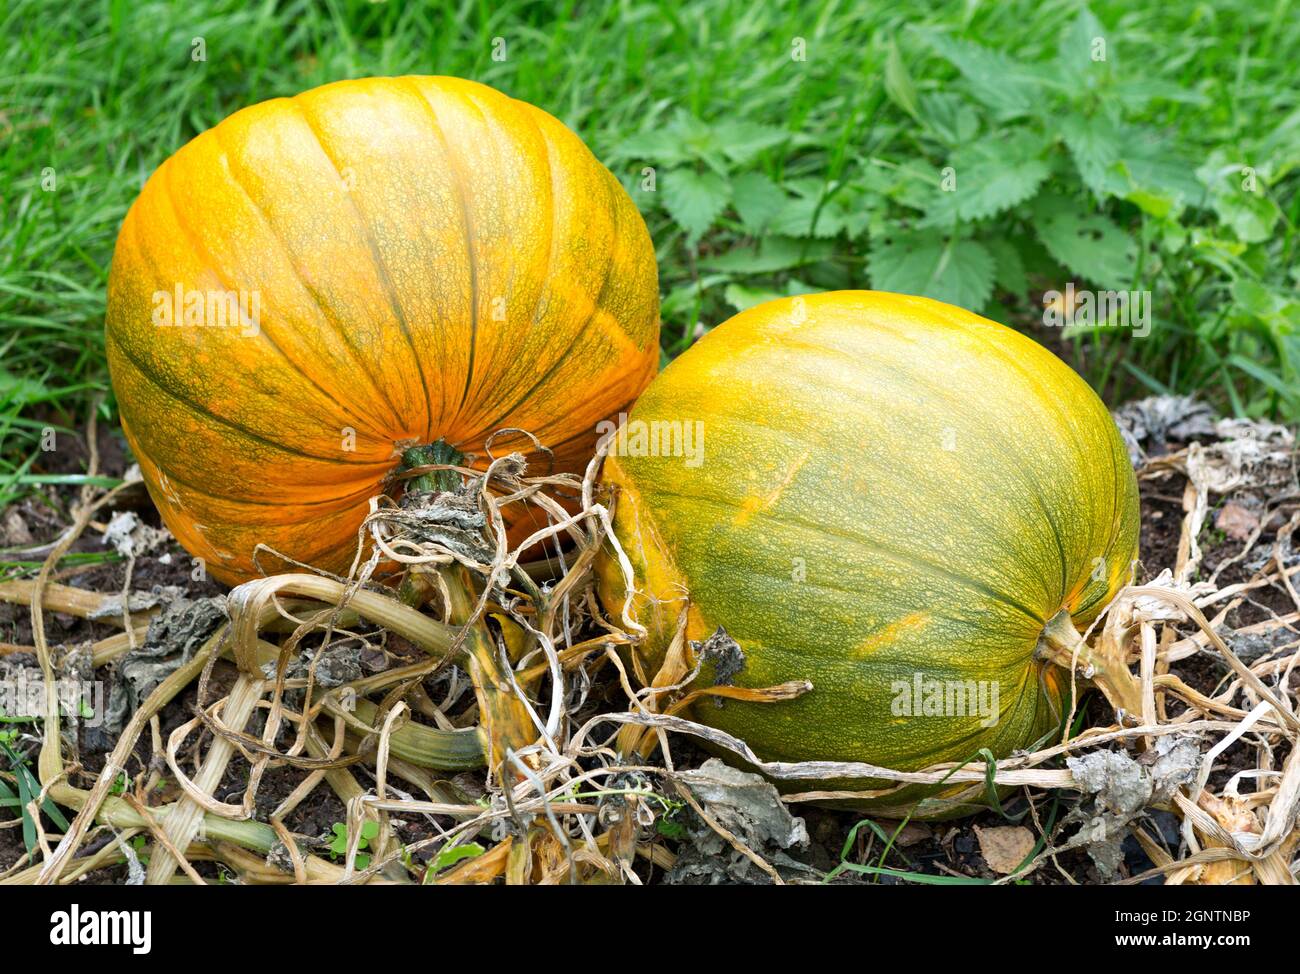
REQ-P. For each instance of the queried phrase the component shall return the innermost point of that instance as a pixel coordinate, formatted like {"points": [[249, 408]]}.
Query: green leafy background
{"points": [[980, 153]]}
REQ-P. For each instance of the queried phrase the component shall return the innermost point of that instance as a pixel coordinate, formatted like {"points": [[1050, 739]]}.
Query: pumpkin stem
{"points": [[437, 452], [504, 721], [1061, 638], [1060, 641]]}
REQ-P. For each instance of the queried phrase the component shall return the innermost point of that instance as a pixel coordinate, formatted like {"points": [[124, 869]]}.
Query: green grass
{"points": [[772, 175]]}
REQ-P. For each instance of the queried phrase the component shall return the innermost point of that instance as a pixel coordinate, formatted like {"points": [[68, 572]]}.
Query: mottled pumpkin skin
{"points": [[430, 259], [889, 486]]}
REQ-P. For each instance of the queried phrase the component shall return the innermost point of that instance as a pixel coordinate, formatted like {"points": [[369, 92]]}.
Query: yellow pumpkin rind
{"points": [[794, 365]]}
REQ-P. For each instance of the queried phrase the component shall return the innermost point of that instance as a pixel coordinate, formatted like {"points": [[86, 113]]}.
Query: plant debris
{"points": [[479, 719], [1122, 787], [1148, 425], [173, 637], [747, 814], [130, 537], [1005, 848], [725, 655]]}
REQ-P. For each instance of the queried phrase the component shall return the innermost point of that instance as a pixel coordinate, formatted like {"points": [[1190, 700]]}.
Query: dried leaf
{"points": [[1004, 848], [1236, 521]]}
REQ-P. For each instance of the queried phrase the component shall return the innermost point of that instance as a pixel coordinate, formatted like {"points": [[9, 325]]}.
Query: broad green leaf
{"points": [[923, 262], [1249, 215], [19, 388], [769, 255], [683, 139], [1094, 144], [990, 178], [740, 141], [1009, 267], [1236, 194], [795, 219], [1159, 205], [694, 199], [1220, 252], [742, 297], [915, 184], [1279, 150], [853, 210], [1145, 164], [819, 211], [949, 117], [1085, 50], [1085, 243], [660, 147], [1008, 86], [757, 200], [1278, 311]]}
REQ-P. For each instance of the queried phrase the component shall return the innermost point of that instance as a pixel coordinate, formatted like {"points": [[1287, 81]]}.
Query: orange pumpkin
{"points": [[319, 282]]}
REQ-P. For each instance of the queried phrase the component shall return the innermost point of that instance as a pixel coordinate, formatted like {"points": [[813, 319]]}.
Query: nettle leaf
{"points": [[855, 212], [757, 200], [684, 139], [1146, 165], [796, 219], [1008, 86], [818, 209], [695, 199], [1250, 216], [1280, 312], [1082, 43], [740, 141], [1237, 198], [659, 146], [1087, 244], [769, 255], [916, 184], [942, 209], [949, 117], [990, 178], [1094, 144], [742, 297], [927, 263], [1009, 266]]}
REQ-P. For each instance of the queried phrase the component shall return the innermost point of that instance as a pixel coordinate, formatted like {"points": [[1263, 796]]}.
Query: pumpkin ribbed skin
{"points": [[889, 486], [431, 259]]}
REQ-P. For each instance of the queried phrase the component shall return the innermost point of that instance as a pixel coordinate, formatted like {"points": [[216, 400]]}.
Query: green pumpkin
{"points": [[879, 494]]}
